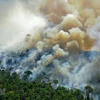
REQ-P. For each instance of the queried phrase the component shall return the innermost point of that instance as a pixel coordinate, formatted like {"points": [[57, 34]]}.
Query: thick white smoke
{"points": [[16, 22]]}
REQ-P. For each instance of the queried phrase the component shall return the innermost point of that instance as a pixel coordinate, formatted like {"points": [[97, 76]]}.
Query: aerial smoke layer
{"points": [[54, 39]]}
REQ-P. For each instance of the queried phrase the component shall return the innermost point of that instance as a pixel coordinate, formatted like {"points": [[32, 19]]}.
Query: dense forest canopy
{"points": [[13, 88]]}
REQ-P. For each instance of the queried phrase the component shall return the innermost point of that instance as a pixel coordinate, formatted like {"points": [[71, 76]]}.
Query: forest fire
{"points": [[57, 37]]}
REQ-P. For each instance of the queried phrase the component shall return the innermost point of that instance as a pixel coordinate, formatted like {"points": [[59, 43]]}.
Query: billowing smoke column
{"points": [[54, 39]]}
